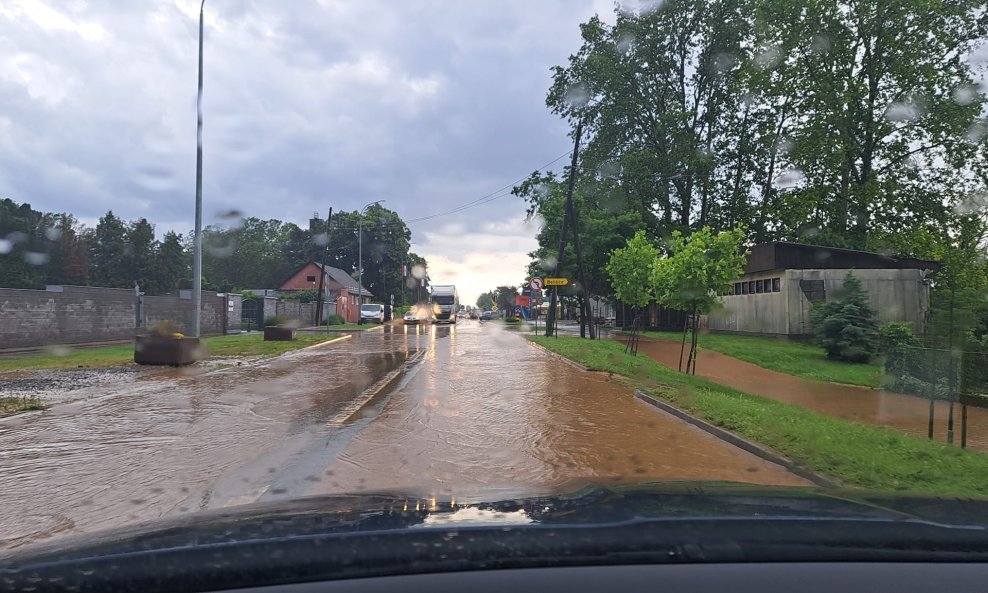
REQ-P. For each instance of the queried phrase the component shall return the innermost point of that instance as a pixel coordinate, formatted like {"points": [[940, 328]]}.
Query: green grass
{"points": [[109, 356], [860, 456], [800, 359], [15, 405]]}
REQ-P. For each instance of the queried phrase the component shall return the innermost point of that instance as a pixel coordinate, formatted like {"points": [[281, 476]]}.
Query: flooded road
{"points": [[850, 402], [486, 413], [174, 441], [470, 411]]}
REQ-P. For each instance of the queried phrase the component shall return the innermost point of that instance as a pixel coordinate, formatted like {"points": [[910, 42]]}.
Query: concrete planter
{"points": [[165, 351], [277, 333]]}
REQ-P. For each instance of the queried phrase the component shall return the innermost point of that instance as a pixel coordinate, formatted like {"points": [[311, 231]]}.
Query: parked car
{"points": [[371, 313]]}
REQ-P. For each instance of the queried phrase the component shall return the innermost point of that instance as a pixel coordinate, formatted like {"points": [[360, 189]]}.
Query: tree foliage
{"points": [[846, 326], [631, 268], [700, 266]]}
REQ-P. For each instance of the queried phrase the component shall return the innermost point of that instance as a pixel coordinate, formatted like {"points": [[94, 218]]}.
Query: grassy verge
{"points": [[346, 326], [859, 456], [800, 359], [15, 405], [109, 356]]}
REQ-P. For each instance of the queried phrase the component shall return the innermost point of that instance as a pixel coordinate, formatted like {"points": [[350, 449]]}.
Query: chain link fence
{"points": [[955, 376]]}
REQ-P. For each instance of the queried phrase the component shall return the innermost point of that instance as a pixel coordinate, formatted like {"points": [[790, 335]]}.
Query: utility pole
{"points": [[197, 240], [570, 219], [322, 269]]}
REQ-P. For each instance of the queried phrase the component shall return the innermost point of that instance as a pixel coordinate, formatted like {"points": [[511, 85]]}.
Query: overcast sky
{"points": [[308, 104]]}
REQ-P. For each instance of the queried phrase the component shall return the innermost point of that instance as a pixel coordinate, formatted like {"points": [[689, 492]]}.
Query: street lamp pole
{"points": [[360, 253], [197, 239]]}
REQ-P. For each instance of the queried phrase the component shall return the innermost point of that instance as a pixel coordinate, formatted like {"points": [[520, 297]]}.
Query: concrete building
{"points": [[341, 291], [783, 280]]}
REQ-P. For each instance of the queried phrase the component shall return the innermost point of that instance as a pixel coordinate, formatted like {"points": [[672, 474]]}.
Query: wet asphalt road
{"points": [[479, 414]]}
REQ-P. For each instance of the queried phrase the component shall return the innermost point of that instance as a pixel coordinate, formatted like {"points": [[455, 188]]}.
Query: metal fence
{"points": [[954, 376]]}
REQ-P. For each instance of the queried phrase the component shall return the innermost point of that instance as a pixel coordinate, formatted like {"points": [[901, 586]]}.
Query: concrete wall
{"points": [[897, 295], [759, 313], [77, 314], [303, 312]]}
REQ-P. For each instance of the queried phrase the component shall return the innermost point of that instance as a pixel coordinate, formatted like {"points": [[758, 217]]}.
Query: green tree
{"points": [[846, 327], [171, 264], [108, 253], [630, 269], [141, 256], [878, 108], [699, 268], [505, 296], [486, 300]]}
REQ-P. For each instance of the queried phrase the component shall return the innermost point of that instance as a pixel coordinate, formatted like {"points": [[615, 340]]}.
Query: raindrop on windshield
{"points": [[36, 259], [643, 7], [548, 263], [625, 43], [16, 237], [609, 170], [965, 94], [218, 249], [58, 350], [784, 146], [789, 179], [767, 57], [231, 219], [820, 44], [972, 204], [724, 62], [903, 112], [534, 221], [6, 246], [577, 95], [53, 234], [976, 133], [418, 271], [322, 239]]}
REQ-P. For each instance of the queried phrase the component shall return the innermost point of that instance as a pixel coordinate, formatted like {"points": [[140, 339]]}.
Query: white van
{"points": [[371, 313]]}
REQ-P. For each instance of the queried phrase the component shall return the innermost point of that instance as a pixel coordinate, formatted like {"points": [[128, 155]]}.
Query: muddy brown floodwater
{"points": [[481, 414], [850, 402], [486, 414]]}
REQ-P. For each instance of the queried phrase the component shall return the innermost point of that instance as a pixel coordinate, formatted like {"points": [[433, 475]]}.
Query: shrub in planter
{"points": [[163, 345], [335, 320], [280, 329]]}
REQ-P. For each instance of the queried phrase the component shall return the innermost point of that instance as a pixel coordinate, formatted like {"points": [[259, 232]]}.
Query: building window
{"points": [[751, 287], [737, 288], [744, 288], [776, 284], [759, 285], [310, 278]]}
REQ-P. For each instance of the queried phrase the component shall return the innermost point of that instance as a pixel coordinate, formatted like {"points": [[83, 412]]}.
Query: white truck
{"points": [[445, 303]]}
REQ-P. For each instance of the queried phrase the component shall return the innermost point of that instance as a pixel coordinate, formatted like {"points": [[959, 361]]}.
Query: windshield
{"points": [[671, 229]]}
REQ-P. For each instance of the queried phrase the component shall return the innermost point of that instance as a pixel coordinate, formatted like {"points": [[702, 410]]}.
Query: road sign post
{"points": [[556, 281], [535, 283]]}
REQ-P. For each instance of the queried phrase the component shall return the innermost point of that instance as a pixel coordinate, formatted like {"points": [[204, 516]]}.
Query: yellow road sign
{"points": [[556, 281]]}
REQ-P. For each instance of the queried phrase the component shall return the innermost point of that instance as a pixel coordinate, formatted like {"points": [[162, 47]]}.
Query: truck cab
{"points": [[445, 303]]}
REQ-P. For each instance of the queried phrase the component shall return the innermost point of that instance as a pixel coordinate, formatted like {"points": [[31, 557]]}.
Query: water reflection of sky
{"points": [[473, 516]]}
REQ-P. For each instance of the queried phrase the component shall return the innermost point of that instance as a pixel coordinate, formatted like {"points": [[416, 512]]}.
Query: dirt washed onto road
{"points": [[148, 445], [488, 415]]}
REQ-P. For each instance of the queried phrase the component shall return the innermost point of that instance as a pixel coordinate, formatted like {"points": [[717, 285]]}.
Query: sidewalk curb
{"points": [[326, 343], [740, 442], [371, 393]]}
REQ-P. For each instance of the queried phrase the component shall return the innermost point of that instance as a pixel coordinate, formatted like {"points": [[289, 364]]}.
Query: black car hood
{"points": [[376, 512], [343, 536]]}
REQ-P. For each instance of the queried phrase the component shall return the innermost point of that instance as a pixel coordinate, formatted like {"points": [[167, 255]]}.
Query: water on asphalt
{"points": [[481, 414]]}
